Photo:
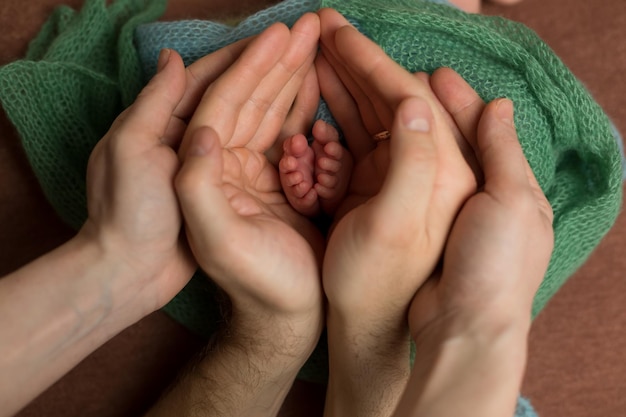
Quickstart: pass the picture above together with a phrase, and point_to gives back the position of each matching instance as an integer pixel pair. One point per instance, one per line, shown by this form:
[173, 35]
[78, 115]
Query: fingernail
[164, 58]
[504, 110]
[416, 115]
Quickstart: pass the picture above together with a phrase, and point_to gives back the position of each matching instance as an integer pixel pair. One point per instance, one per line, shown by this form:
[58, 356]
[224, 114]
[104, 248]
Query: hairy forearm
[54, 312]
[247, 373]
[471, 371]
[369, 365]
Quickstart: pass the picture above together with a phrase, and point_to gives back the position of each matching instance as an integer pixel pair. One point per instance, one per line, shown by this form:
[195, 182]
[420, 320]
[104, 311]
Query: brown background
[577, 356]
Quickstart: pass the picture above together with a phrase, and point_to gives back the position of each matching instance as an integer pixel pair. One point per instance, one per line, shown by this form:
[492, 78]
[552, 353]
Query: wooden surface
[577, 355]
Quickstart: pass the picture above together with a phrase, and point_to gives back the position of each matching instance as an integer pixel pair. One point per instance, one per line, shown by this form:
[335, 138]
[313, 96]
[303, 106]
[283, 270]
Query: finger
[375, 118]
[506, 168]
[499, 150]
[201, 74]
[222, 102]
[272, 119]
[375, 72]
[174, 133]
[461, 111]
[460, 101]
[208, 214]
[300, 118]
[149, 116]
[344, 109]
[272, 101]
[330, 22]
[411, 176]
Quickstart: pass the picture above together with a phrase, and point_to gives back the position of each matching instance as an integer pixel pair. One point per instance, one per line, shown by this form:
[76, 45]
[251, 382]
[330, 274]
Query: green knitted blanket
[84, 68]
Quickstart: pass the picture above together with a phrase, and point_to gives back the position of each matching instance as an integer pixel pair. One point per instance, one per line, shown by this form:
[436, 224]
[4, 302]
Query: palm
[366, 179]
[271, 227]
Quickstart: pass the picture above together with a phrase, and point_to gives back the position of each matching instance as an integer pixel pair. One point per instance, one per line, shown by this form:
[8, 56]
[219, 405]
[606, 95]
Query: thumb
[150, 114]
[413, 161]
[205, 208]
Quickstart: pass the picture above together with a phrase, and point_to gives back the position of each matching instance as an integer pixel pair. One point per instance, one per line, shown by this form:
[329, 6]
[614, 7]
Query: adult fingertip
[415, 115]
[505, 112]
[164, 59]
[310, 18]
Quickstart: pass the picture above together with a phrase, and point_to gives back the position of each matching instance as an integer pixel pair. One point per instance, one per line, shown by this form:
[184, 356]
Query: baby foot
[333, 166]
[296, 169]
[315, 178]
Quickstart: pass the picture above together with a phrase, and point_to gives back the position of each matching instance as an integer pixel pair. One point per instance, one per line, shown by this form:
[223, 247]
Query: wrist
[284, 338]
[127, 279]
[474, 363]
[248, 371]
[76, 312]
[487, 320]
[369, 364]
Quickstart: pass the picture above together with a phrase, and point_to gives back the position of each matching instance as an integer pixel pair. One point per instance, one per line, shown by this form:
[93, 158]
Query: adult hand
[402, 200]
[470, 323]
[395, 218]
[244, 233]
[500, 245]
[240, 226]
[133, 210]
[127, 260]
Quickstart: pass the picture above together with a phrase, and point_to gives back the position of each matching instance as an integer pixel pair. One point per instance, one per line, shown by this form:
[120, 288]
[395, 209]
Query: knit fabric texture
[85, 67]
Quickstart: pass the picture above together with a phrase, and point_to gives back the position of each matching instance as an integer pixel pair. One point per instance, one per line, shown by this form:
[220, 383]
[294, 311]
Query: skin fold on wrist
[463, 358]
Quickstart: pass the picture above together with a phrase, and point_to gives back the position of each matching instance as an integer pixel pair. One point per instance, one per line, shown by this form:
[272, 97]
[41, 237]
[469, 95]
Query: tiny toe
[333, 150]
[287, 164]
[298, 145]
[326, 180]
[301, 189]
[324, 192]
[293, 178]
[328, 164]
[310, 198]
[324, 133]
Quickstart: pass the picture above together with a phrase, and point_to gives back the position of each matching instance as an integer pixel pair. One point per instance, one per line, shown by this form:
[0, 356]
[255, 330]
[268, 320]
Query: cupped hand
[391, 228]
[404, 193]
[500, 244]
[133, 210]
[470, 320]
[134, 214]
[239, 224]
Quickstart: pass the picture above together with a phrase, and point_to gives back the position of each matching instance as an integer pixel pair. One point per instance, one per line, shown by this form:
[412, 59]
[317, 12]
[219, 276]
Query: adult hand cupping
[133, 210]
[239, 224]
[127, 260]
[470, 323]
[403, 197]
[243, 232]
[500, 245]
[387, 217]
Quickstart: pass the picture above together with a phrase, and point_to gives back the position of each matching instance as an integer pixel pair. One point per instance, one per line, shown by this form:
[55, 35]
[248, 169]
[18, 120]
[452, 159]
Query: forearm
[247, 373]
[54, 312]
[369, 365]
[466, 369]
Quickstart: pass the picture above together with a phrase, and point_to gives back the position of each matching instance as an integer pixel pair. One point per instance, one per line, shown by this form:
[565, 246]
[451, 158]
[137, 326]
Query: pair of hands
[407, 198]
